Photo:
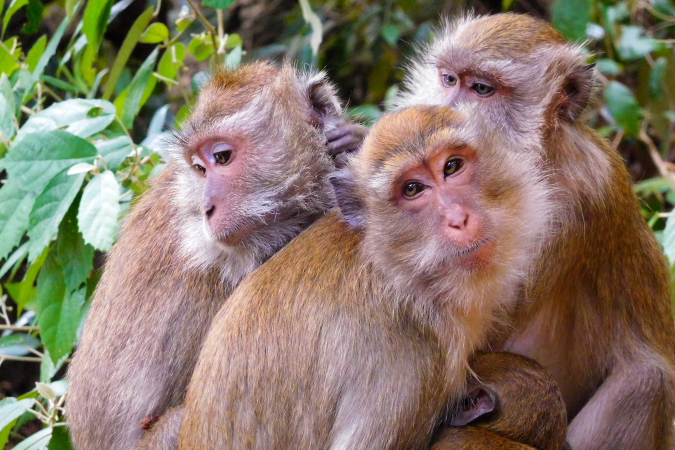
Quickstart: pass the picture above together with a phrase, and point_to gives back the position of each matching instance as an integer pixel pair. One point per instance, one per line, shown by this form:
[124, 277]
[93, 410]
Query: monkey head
[438, 194]
[255, 167]
[519, 68]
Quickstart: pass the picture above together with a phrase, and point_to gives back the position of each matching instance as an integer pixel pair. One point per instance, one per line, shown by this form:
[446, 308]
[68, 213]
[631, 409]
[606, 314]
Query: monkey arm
[471, 438]
[346, 138]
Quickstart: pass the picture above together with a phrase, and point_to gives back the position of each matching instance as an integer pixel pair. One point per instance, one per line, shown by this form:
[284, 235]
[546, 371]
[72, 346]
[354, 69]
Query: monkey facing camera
[249, 171]
[598, 313]
[357, 334]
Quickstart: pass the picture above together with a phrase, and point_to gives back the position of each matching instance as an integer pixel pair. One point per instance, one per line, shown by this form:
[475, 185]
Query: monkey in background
[357, 334]
[513, 404]
[598, 311]
[249, 172]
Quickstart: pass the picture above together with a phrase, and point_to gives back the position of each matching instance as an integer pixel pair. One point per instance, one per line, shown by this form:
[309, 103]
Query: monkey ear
[323, 101]
[346, 196]
[479, 402]
[577, 92]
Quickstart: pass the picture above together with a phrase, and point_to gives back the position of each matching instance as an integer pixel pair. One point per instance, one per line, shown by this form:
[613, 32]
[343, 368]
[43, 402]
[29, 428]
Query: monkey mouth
[471, 249]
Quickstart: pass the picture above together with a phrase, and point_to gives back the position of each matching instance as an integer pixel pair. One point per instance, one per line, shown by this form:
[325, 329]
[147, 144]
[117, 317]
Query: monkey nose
[456, 218]
[209, 208]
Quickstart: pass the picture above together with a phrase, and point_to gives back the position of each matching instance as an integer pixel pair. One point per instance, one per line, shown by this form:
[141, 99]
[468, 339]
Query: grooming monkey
[357, 334]
[250, 171]
[513, 404]
[598, 313]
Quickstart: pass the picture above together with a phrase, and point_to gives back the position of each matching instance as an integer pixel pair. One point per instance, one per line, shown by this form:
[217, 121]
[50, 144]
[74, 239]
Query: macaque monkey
[512, 404]
[249, 172]
[357, 334]
[597, 312]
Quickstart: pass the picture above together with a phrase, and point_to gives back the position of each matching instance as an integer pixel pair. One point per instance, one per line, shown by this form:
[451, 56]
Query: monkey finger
[345, 144]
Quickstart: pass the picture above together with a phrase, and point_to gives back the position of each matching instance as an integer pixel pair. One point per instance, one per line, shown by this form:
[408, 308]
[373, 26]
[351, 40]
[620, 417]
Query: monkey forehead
[409, 136]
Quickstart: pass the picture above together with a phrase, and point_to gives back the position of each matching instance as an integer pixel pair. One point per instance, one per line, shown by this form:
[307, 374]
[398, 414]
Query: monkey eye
[413, 189]
[199, 169]
[223, 157]
[452, 166]
[483, 89]
[449, 79]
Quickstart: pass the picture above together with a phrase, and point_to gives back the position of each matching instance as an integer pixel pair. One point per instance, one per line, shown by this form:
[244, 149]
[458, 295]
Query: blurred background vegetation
[89, 91]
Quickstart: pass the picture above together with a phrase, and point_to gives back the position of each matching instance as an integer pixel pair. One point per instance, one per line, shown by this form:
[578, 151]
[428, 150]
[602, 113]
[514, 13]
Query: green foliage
[75, 149]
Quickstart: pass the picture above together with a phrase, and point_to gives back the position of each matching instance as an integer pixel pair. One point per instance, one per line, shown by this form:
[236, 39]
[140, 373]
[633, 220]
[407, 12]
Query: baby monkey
[358, 333]
[512, 404]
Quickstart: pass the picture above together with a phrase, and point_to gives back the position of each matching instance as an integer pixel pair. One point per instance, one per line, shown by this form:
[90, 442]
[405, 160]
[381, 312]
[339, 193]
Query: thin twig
[656, 156]
[212, 30]
[27, 329]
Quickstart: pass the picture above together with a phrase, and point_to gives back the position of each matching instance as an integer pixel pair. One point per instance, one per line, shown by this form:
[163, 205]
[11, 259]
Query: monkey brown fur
[598, 313]
[357, 334]
[250, 171]
[512, 404]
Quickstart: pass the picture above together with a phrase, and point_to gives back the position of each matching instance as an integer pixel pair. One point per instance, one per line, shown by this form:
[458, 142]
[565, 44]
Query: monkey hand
[344, 139]
[149, 421]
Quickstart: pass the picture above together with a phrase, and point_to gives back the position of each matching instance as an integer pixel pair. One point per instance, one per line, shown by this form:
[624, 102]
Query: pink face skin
[466, 86]
[440, 191]
[219, 163]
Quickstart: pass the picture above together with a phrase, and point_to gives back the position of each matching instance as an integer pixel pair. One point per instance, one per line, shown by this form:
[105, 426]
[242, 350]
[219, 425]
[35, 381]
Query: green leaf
[37, 441]
[315, 24]
[48, 369]
[8, 62]
[11, 409]
[58, 311]
[95, 23]
[233, 40]
[624, 107]
[669, 239]
[233, 59]
[155, 33]
[34, 13]
[82, 117]
[24, 293]
[50, 50]
[201, 48]
[7, 90]
[39, 157]
[664, 7]
[99, 209]
[171, 61]
[36, 52]
[369, 113]
[60, 439]
[608, 66]
[218, 4]
[15, 207]
[137, 89]
[115, 151]
[75, 257]
[391, 33]
[6, 119]
[11, 340]
[134, 34]
[634, 45]
[658, 77]
[14, 6]
[571, 17]
[49, 209]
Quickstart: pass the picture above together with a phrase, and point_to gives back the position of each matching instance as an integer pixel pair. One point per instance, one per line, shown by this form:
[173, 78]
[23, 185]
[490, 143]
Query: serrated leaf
[45, 391]
[50, 208]
[37, 441]
[99, 209]
[623, 107]
[48, 369]
[315, 24]
[15, 208]
[571, 17]
[58, 311]
[155, 33]
[82, 117]
[115, 151]
[75, 257]
[34, 125]
[39, 157]
[218, 4]
[634, 45]
[6, 119]
[657, 78]
[11, 410]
